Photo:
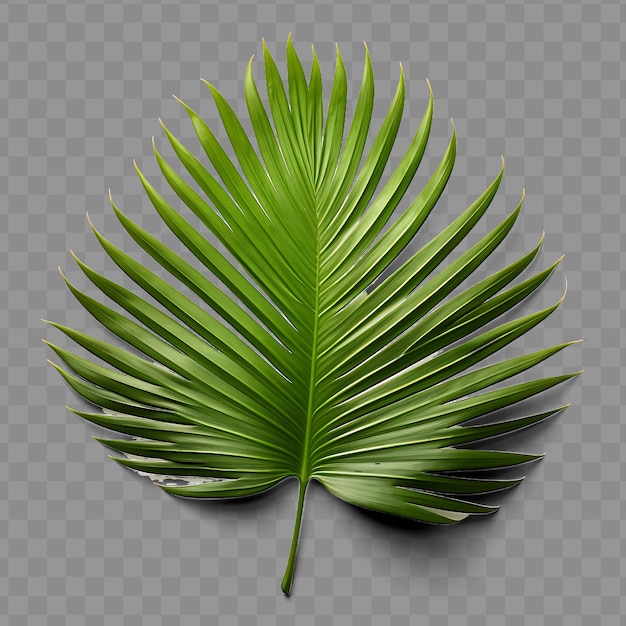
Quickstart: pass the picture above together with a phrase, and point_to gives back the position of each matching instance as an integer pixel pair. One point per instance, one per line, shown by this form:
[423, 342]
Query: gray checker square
[82, 84]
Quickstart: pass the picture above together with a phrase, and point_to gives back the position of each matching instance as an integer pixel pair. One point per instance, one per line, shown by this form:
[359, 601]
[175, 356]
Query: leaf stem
[291, 563]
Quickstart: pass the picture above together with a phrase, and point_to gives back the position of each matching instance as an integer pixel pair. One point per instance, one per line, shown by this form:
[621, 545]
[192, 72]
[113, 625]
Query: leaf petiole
[291, 563]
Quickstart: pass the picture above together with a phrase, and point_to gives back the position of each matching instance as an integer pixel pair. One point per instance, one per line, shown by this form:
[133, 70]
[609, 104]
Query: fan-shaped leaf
[307, 349]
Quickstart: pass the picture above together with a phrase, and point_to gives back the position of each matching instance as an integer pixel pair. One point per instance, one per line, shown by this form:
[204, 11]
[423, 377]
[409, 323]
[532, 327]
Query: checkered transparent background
[83, 541]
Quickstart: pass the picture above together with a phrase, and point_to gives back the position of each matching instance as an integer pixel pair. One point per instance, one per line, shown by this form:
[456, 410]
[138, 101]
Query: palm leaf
[321, 356]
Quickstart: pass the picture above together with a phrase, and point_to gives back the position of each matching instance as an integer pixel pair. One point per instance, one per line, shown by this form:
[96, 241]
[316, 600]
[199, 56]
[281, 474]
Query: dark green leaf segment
[292, 333]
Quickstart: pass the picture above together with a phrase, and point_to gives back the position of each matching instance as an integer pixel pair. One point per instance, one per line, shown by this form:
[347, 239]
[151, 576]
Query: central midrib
[305, 468]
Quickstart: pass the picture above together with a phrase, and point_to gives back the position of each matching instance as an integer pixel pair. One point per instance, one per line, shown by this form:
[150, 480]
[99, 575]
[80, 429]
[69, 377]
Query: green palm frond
[323, 356]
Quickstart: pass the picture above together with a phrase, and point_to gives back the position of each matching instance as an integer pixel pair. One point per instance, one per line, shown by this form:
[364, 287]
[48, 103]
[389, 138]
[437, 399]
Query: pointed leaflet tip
[338, 59]
[187, 108]
[90, 224]
[112, 203]
[162, 123]
[430, 87]
[541, 239]
[560, 300]
[313, 51]
[137, 169]
[177, 100]
[214, 92]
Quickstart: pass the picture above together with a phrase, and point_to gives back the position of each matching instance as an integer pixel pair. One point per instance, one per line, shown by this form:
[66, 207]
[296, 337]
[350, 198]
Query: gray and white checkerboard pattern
[83, 541]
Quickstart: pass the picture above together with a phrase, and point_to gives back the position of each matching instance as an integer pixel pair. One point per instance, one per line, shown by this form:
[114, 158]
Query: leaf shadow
[427, 551]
